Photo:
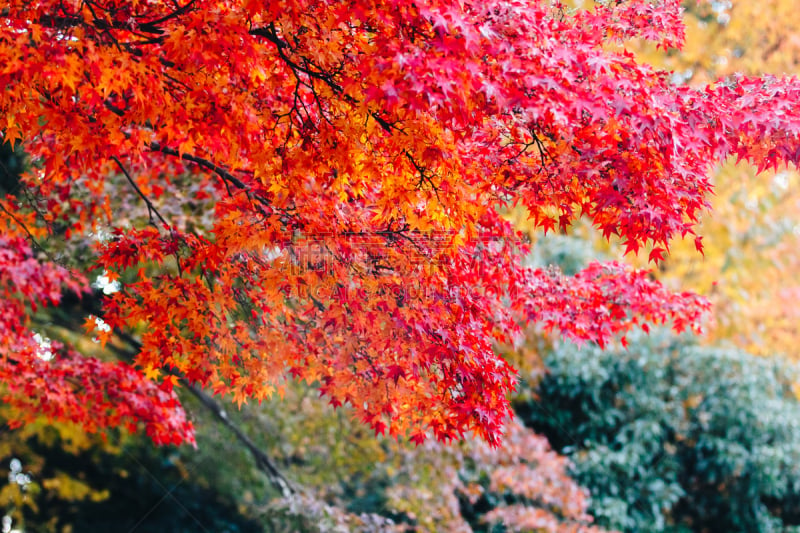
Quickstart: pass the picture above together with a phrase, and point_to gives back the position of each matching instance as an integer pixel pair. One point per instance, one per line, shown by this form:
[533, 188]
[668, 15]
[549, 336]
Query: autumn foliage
[53, 380]
[352, 162]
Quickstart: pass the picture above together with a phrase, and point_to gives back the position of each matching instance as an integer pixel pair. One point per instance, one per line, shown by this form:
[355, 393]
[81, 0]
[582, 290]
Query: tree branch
[33, 240]
[271, 34]
[263, 461]
[150, 207]
[205, 163]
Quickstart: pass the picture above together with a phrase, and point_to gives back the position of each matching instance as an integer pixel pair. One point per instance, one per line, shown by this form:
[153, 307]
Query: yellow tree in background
[725, 37]
[752, 243]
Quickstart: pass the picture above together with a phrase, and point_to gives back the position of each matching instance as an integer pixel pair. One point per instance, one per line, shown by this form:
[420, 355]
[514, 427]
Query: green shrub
[671, 436]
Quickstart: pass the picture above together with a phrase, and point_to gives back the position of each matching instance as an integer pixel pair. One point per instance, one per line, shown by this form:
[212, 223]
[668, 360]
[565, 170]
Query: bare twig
[263, 461]
[151, 209]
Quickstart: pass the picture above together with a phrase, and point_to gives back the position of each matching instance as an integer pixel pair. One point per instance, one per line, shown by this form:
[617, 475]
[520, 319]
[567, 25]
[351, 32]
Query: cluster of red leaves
[363, 153]
[48, 379]
[596, 302]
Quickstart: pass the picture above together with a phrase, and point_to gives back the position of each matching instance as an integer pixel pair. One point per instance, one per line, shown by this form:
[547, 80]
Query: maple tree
[353, 161]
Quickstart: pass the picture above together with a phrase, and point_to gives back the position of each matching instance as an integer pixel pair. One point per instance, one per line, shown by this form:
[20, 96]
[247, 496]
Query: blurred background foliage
[672, 434]
[752, 238]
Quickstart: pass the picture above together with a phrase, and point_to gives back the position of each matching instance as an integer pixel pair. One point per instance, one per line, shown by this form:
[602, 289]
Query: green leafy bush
[672, 436]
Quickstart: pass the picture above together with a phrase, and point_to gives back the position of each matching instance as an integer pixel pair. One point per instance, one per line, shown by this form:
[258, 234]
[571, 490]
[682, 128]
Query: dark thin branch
[98, 21]
[543, 153]
[423, 175]
[271, 34]
[387, 126]
[152, 25]
[205, 163]
[225, 175]
[263, 461]
[151, 209]
[33, 240]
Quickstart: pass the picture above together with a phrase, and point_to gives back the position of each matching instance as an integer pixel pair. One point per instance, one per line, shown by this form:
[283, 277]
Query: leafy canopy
[348, 166]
